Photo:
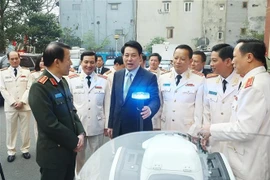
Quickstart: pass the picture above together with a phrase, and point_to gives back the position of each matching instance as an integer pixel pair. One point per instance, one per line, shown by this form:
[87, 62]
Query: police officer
[154, 62]
[220, 89]
[182, 94]
[248, 131]
[91, 96]
[15, 88]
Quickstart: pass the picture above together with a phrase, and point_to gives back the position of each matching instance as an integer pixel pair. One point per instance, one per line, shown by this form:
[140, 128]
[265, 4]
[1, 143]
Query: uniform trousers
[13, 118]
[94, 142]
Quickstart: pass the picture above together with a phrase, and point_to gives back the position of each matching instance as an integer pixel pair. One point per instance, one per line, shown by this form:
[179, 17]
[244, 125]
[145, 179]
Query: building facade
[105, 19]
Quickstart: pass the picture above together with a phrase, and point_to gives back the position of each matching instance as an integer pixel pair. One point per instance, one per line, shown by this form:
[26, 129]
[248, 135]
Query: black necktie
[15, 72]
[99, 70]
[224, 82]
[88, 81]
[240, 85]
[178, 77]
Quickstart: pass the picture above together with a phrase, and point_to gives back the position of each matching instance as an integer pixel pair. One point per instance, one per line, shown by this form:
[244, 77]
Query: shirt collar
[55, 77]
[133, 72]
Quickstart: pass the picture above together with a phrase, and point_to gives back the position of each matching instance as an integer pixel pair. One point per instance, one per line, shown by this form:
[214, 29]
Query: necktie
[224, 82]
[88, 81]
[99, 70]
[15, 72]
[240, 85]
[128, 83]
[178, 77]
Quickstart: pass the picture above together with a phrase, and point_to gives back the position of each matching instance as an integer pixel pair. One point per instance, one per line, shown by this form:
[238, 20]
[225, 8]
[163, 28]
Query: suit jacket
[217, 105]
[15, 88]
[58, 123]
[248, 131]
[93, 104]
[124, 116]
[103, 70]
[206, 71]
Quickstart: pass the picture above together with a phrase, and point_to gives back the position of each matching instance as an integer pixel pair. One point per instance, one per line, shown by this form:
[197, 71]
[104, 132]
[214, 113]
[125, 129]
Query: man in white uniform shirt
[248, 132]
[91, 97]
[220, 89]
[181, 92]
[14, 86]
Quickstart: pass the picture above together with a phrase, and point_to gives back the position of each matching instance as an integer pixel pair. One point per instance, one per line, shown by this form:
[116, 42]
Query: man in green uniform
[61, 134]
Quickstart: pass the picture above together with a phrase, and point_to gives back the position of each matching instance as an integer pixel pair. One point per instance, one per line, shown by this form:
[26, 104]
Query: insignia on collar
[249, 82]
[43, 79]
[53, 81]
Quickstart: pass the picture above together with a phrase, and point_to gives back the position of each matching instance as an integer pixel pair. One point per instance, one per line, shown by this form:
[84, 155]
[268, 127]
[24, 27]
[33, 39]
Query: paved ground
[20, 169]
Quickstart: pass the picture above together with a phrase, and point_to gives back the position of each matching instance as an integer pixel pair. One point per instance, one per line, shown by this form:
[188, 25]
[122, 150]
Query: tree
[156, 40]
[41, 30]
[89, 41]
[14, 13]
[68, 37]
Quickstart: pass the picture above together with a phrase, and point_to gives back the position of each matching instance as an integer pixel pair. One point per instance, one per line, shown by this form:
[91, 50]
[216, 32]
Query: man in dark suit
[198, 62]
[100, 69]
[60, 132]
[124, 116]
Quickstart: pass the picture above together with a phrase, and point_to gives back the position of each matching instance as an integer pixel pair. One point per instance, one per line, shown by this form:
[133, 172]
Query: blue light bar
[140, 95]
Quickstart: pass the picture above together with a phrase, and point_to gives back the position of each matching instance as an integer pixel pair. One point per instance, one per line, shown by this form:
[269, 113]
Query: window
[166, 6]
[76, 7]
[187, 6]
[169, 32]
[244, 4]
[221, 7]
[243, 31]
[114, 6]
[220, 35]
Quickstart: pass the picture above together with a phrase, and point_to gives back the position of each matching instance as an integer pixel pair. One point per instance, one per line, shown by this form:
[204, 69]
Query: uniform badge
[79, 87]
[23, 76]
[212, 92]
[58, 95]
[98, 87]
[190, 85]
[167, 84]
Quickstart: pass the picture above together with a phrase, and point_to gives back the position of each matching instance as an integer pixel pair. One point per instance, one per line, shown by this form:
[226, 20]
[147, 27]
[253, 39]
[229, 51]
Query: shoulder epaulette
[3, 69]
[198, 73]
[73, 75]
[249, 82]
[102, 76]
[153, 71]
[43, 79]
[24, 67]
[211, 75]
[165, 72]
[108, 72]
[33, 71]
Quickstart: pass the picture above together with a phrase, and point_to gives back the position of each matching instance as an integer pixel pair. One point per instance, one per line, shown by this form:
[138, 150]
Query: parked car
[165, 64]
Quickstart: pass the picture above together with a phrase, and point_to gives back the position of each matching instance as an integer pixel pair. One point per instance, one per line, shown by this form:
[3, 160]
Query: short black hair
[203, 56]
[99, 56]
[224, 51]
[37, 67]
[55, 50]
[118, 60]
[89, 53]
[157, 55]
[186, 47]
[255, 47]
[133, 44]
[12, 51]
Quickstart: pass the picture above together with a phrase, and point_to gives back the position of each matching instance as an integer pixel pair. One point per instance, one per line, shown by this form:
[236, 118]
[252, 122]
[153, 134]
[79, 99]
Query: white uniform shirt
[182, 105]
[92, 103]
[248, 131]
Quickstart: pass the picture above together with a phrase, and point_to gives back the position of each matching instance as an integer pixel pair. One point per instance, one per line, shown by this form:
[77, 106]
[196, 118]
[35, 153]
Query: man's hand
[18, 105]
[106, 132]
[80, 143]
[110, 132]
[146, 112]
[205, 134]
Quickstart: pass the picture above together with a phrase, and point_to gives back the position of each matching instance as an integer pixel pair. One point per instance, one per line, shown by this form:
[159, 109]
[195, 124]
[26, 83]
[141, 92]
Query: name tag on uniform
[58, 95]
[212, 92]
[167, 84]
[79, 87]
[8, 77]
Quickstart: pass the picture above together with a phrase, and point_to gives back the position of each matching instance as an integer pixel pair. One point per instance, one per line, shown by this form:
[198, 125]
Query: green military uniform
[58, 123]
